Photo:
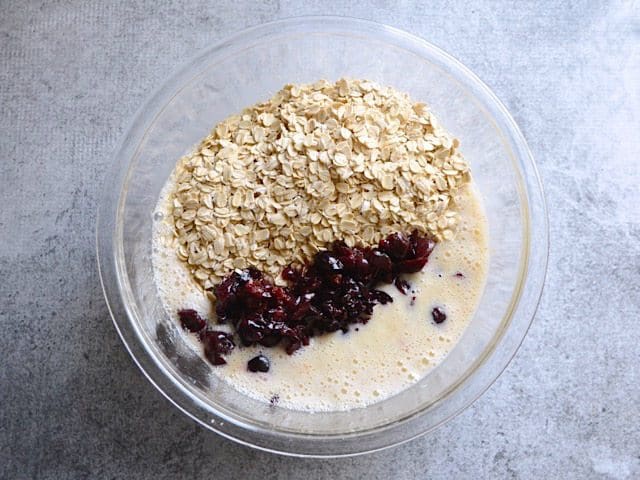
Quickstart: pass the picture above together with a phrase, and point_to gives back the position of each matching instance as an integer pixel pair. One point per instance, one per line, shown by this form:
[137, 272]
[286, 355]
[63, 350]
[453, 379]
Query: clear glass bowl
[249, 67]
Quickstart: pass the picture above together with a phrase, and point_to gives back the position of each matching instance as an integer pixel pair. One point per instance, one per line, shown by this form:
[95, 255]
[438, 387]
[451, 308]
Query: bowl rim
[524, 301]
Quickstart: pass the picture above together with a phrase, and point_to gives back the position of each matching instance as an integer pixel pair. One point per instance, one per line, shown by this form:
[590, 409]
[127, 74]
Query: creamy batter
[397, 347]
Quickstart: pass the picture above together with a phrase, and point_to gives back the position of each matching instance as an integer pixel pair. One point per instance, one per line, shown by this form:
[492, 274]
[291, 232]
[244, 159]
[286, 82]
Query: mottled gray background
[72, 403]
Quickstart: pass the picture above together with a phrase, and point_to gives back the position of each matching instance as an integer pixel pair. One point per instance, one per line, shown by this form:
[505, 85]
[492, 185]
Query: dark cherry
[380, 265]
[258, 364]
[396, 245]
[402, 285]
[421, 245]
[411, 266]
[191, 320]
[381, 297]
[326, 262]
[216, 344]
[438, 315]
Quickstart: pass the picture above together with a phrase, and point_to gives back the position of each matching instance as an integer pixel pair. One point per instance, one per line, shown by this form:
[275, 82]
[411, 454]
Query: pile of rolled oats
[349, 160]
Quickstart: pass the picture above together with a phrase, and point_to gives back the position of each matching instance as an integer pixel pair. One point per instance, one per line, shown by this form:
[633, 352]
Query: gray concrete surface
[72, 403]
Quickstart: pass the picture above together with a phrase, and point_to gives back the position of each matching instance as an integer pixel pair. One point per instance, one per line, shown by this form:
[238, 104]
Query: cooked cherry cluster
[335, 290]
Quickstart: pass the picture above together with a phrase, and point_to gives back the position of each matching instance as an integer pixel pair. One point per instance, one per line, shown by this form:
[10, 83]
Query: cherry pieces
[335, 290]
[216, 344]
[438, 315]
[191, 320]
[258, 364]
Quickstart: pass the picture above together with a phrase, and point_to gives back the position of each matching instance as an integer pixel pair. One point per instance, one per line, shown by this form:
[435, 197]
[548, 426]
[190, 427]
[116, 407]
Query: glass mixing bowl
[250, 67]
